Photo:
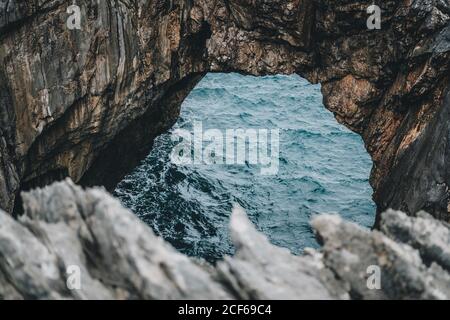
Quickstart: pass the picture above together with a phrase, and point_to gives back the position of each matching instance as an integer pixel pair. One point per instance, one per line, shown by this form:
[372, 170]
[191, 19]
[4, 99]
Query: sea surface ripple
[324, 168]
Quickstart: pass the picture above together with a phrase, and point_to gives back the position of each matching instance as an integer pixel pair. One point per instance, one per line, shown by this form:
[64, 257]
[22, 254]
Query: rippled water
[324, 168]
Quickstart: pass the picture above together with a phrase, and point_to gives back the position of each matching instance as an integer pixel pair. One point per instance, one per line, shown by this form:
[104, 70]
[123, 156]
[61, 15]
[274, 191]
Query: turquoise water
[323, 168]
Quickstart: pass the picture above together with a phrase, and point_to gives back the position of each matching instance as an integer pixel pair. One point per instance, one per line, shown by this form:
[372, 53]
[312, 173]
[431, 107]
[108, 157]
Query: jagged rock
[119, 257]
[88, 103]
[260, 270]
[349, 251]
[424, 233]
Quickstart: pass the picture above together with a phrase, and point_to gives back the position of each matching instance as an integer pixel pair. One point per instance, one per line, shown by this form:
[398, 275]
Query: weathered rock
[350, 251]
[430, 237]
[88, 104]
[260, 270]
[119, 257]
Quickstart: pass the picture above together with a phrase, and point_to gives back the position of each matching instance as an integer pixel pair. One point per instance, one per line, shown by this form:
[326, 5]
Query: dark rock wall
[87, 104]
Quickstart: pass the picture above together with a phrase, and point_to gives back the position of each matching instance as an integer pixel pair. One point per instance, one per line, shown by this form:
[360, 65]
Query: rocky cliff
[68, 232]
[88, 103]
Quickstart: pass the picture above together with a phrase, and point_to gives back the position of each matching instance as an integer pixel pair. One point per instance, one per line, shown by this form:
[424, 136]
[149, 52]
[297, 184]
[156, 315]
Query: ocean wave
[323, 167]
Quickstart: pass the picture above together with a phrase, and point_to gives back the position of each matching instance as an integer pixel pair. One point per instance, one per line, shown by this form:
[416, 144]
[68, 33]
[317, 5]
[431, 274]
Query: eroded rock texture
[88, 104]
[119, 257]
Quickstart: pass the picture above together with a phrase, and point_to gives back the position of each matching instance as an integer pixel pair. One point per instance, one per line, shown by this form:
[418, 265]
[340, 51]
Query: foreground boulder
[66, 229]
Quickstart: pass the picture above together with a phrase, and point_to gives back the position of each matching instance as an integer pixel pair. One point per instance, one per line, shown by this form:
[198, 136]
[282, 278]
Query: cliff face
[88, 103]
[67, 233]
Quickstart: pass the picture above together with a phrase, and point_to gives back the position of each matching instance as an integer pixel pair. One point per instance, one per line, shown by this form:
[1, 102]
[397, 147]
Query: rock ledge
[119, 257]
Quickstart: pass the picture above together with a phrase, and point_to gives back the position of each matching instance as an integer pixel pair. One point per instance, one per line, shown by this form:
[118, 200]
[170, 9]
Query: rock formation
[119, 257]
[88, 103]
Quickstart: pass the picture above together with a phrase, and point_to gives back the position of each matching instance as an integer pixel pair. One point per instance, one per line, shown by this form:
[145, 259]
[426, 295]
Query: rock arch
[87, 104]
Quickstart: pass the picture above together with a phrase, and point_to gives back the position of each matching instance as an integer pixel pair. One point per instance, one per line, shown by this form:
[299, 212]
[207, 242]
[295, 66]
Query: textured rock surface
[88, 104]
[120, 257]
[348, 251]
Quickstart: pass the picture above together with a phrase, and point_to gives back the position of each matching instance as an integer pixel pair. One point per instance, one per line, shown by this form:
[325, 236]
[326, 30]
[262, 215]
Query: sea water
[323, 168]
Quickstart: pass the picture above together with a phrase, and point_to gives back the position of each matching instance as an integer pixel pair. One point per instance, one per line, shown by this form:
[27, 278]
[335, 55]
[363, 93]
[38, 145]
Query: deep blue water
[323, 168]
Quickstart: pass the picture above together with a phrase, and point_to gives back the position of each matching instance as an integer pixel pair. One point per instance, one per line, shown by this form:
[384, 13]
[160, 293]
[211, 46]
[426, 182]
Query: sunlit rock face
[88, 103]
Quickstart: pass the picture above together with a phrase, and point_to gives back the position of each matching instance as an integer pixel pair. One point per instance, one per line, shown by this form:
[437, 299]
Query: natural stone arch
[76, 102]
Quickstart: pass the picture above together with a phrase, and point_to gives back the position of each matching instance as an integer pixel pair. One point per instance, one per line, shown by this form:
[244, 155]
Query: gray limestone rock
[67, 231]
